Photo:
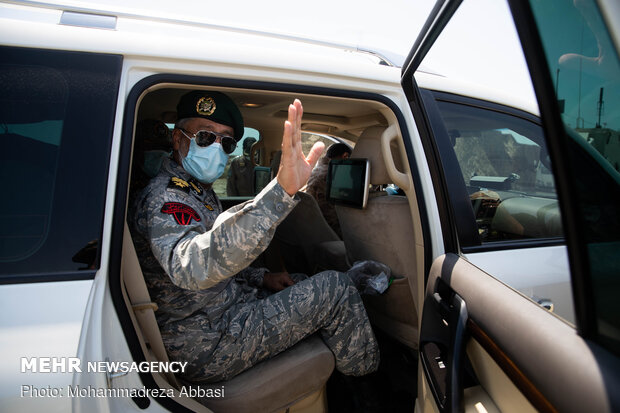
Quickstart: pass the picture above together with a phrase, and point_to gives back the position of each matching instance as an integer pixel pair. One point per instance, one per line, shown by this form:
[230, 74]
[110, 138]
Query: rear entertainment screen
[347, 182]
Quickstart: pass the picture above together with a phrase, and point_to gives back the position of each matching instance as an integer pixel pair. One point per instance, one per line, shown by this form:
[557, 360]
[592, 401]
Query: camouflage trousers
[258, 329]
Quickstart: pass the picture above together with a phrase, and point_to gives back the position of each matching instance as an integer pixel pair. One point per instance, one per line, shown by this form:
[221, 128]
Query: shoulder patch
[179, 184]
[182, 213]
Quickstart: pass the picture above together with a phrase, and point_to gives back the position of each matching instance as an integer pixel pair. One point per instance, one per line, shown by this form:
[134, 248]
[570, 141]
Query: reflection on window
[505, 166]
[25, 213]
[585, 68]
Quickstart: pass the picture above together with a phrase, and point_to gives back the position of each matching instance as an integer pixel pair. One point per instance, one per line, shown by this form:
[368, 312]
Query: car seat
[292, 381]
[384, 232]
[307, 243]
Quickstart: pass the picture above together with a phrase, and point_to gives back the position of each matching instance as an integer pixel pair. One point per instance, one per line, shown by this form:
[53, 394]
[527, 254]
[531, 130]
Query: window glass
[238, 176]
[243, 179]
[585, 69]
[309, 139]
[56, 119]
[504, 162]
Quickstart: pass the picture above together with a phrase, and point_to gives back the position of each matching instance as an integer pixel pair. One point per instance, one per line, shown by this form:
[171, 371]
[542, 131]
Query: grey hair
[182, 123]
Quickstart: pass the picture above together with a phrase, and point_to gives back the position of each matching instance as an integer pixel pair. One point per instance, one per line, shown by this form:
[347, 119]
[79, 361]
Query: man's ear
[345, 155]
[176, 139]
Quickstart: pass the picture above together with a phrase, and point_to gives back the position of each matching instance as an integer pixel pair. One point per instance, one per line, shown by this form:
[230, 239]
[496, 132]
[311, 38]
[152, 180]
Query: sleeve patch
[182, 213]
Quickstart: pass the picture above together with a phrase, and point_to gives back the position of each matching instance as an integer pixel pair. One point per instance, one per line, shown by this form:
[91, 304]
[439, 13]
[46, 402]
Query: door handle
[442, 343]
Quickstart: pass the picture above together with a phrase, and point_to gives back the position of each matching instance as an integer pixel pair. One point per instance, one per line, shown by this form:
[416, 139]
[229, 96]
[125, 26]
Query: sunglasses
[205, 138]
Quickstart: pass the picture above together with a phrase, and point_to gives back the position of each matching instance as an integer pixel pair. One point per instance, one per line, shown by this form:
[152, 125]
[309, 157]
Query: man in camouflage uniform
[215, 312]
[317, 184]
[240, 181]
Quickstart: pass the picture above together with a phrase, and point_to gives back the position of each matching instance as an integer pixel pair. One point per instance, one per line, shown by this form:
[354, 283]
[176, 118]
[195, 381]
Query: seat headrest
[369, 146]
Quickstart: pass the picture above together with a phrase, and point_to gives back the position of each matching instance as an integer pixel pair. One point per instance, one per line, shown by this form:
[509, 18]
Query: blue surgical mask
[205, 164]
[153, 161]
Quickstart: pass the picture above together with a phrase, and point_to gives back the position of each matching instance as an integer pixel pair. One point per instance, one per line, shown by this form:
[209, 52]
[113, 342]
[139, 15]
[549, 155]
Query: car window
[584, 65]
[505, 166]
[238, 176]
[494, 180]
[309, 139]
[266, 169]
[56, 119]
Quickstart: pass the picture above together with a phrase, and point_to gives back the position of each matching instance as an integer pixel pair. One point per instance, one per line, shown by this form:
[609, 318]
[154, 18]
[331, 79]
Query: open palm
[295, 167]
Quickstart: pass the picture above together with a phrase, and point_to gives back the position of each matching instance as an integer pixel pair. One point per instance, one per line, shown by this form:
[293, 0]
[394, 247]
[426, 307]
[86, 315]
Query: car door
[483, 345]
[56, 111]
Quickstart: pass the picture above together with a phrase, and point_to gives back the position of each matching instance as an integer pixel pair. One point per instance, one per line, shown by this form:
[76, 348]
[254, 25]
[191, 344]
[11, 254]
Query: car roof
[198, 45]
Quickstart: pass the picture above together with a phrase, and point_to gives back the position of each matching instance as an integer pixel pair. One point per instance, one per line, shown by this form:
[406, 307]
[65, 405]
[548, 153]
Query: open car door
[483, 345]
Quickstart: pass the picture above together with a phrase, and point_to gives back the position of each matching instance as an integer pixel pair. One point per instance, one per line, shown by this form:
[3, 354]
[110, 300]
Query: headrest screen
[348, 181]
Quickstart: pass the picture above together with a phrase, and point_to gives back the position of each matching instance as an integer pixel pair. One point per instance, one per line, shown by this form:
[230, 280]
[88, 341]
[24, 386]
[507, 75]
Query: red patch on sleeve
[182, 213]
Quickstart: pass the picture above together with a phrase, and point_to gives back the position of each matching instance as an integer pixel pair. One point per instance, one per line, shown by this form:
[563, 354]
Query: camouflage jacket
[194, 256]
[240, 181]
[317, 187]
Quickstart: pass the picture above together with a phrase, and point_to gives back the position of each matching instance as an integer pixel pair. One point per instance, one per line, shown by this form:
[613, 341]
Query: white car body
[77, 318]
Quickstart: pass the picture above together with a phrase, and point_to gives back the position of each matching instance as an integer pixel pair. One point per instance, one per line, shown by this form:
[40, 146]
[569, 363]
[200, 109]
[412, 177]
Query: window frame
[124, 173]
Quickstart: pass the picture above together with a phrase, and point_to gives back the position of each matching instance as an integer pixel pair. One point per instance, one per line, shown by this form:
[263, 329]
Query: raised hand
[295, 167]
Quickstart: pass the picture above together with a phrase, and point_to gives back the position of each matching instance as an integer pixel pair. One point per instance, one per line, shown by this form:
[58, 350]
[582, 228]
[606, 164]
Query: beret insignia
[182, 213]
[205, 106]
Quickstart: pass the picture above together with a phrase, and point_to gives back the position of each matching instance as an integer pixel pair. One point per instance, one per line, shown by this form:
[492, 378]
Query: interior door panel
[523, 357]
[494, 384]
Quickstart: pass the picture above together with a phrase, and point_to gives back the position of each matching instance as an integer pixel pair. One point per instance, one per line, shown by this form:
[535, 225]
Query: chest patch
[182, 213]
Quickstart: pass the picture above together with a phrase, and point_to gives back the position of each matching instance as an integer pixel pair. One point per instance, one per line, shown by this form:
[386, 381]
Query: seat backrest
[383, 232]
[296, 377]
[304, 237]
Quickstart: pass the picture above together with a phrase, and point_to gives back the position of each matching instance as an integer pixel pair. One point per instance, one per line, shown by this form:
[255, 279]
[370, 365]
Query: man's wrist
[285, 191]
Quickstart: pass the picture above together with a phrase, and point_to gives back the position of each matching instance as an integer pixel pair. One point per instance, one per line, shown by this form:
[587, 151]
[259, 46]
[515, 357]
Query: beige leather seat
[292, 381]
[383, 232]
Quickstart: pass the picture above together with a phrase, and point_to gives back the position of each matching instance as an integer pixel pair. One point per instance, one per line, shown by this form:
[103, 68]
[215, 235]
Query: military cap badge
[205, 106]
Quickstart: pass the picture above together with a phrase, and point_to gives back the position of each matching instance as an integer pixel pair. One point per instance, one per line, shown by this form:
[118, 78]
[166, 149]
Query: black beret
[214, 106]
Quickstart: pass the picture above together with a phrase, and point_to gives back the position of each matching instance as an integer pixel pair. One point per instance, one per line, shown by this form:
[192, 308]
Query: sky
[480, 45]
